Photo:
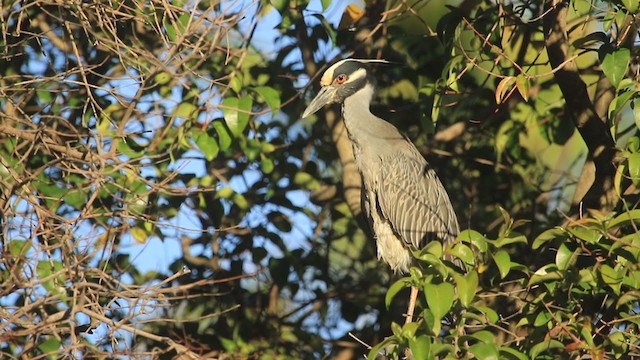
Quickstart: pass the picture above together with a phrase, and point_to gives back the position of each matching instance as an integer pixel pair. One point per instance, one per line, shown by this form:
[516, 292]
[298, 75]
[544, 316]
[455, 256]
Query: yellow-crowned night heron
[402, 197]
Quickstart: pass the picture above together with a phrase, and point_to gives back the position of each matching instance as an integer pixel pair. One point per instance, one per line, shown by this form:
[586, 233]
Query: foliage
[584, 302]
[173, 127]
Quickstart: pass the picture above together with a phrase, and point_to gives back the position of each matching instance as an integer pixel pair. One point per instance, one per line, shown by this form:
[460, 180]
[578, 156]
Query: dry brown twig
[50, 253]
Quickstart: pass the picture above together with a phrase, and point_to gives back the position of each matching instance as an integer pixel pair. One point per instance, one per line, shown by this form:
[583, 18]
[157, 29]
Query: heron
[403, 199]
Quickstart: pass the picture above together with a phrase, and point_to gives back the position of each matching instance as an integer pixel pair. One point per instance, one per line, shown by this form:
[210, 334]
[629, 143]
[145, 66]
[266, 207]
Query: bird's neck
[361, 124]
[358, 103]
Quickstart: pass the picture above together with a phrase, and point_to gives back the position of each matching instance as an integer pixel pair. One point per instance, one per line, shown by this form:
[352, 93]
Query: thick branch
[579, 107]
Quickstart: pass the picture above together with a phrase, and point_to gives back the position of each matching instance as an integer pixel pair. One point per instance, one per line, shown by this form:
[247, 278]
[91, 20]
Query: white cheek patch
[357, 75]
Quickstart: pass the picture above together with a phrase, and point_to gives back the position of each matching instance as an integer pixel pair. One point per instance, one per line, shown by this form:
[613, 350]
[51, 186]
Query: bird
[403, 199]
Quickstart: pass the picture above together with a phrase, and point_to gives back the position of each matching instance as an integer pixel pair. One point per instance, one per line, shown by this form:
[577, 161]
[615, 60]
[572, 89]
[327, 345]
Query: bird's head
[341, 80]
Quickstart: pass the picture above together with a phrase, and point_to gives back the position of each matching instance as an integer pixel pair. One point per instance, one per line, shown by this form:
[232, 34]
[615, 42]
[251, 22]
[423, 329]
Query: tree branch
[580, 109]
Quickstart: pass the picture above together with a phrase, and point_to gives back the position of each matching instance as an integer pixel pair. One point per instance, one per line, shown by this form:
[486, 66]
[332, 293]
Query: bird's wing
[413, 200]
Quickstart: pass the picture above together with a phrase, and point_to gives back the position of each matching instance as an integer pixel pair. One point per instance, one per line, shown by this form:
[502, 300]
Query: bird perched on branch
[405, 203]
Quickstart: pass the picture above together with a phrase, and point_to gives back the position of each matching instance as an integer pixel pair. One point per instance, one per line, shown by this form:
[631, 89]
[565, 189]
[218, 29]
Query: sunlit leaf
[614, 62]
[207, 144]
[503, 261]
[420, 346]
[546, 236]
[139, 235]
[186, 110]
[564, 257]
[270, 96]
[236, 113]
[587, 234]
[352, 13]
[475, 238]
[522, 84]
[484, 351]
[503, 88]
[439, 298]
[466, 287]
[50, 346]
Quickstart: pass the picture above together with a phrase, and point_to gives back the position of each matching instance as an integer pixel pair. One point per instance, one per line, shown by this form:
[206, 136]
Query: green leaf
[490, 314]
[76, 198]
[484, 351]
[394, 290]
[439, 298]
[545, 273]
[49, 346]
[396, 329]
[139, 234]
[624, 218]
[175, 29]
[266, 164]
[619, 104]
[280, 5]
[634, 167]
[306, 180]
[563, 257]
[627, 297]
[508, 353]
[228, 344]
[589, 235]
[18, 248]
[503, 261]
[409, 329]
[236, 113]
[475, 238]
[542, 318]
[512, 238]
[186, 111]
[270, 96]
[611, 277]
[631, 5]
[484, 336]
[546, 345]
[619, 343]
[614, 62]
[206, 144]
[130, 148]
[225, 193]
[240, 201]
[420, 346]
[162, 78]
[377, 350]
[463, 252]
[522, 84]
[225, 137]
[466, 286]
[434, 248]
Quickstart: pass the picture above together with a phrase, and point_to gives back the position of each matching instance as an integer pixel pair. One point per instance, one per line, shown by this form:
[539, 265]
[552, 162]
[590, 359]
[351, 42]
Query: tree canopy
[131, 127]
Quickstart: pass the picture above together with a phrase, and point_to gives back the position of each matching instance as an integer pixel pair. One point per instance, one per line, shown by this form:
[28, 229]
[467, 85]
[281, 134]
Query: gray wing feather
[413, 200]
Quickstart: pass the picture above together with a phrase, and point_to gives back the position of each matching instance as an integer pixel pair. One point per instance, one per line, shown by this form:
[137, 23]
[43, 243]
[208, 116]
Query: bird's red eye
[341, 79]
